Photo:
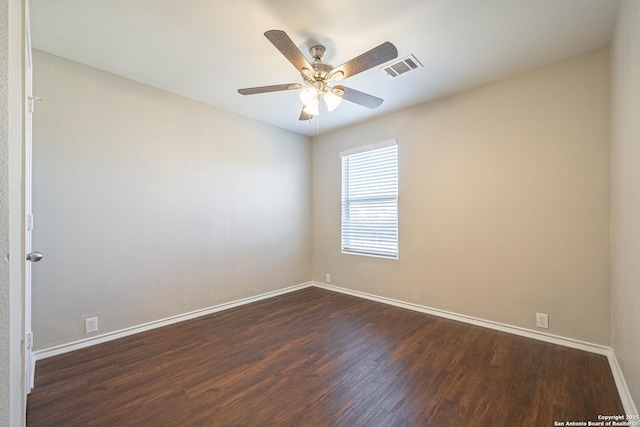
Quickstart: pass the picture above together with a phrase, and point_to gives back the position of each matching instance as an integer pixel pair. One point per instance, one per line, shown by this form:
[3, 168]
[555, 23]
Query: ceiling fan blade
[287, 47]
[265, 89]
[359, 98]
[376, 56]
[305, 116]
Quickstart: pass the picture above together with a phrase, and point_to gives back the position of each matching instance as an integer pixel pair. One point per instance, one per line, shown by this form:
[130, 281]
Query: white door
[29, 362]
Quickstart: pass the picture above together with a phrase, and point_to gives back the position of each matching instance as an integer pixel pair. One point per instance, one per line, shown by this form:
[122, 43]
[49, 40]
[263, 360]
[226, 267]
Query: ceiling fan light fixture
[332, 100]
[309, 95]
[312, 108]
[317, 75]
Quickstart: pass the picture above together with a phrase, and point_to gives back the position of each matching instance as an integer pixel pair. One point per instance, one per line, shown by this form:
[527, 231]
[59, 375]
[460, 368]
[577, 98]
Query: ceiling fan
[319, 75]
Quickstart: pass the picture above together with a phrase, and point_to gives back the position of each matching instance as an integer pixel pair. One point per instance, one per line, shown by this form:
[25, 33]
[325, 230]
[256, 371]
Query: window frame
[388, 233]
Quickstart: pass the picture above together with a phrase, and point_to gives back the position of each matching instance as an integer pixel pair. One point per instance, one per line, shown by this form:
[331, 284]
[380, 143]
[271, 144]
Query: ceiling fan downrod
[321, 69]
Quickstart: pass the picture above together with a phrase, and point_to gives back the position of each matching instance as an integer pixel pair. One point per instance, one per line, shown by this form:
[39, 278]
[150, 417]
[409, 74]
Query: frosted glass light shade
[332, 100]
[312, 108]
[309, 95]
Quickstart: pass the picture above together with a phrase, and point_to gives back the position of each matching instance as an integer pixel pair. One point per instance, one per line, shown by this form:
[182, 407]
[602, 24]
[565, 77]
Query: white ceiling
[207, 49]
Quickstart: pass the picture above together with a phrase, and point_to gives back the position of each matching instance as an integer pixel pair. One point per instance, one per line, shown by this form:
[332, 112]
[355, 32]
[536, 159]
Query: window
[370, 200]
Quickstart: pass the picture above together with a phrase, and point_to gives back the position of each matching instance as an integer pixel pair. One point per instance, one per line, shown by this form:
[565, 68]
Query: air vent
[401, 66]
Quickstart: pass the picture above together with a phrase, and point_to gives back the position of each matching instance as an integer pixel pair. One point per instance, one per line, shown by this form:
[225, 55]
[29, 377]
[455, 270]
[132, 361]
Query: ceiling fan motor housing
[320, 70]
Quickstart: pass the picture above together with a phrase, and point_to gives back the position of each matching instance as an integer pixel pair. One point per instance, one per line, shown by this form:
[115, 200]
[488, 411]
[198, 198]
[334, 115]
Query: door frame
[16, 400]
[27, 228]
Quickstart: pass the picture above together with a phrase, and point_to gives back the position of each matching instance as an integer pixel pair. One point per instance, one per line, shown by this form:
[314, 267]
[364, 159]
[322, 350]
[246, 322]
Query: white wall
[503, 203]
[625, 198]
[150, 205]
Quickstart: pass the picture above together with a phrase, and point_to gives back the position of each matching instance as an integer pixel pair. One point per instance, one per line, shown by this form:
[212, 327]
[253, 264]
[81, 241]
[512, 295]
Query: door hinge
[30, 222]
[31, 107]
[29, 340]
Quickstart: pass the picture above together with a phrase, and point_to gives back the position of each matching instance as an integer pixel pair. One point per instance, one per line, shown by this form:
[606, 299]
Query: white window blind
[370, 200]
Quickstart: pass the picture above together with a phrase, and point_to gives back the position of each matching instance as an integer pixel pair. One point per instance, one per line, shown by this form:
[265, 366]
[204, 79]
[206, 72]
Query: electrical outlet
[327, 278]
[90, 325]
[542, 320]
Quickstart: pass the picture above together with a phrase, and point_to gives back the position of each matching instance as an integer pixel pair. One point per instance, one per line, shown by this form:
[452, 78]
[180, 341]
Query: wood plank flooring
[319, 358]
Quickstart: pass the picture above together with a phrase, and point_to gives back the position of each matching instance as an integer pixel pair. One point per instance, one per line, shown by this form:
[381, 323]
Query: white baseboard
[110, 336]
[32, 373]
[621, 385]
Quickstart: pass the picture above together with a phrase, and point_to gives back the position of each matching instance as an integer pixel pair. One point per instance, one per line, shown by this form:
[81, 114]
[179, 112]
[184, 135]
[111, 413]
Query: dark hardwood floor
[319, 358]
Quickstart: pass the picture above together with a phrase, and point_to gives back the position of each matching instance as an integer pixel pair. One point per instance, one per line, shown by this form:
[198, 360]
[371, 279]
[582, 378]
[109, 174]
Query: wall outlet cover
[90, 325]
[542, 320]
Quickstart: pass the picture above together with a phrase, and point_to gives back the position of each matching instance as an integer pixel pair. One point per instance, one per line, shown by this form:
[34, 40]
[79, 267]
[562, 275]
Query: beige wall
[504, 202]
[150, 205]
[625, 198]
